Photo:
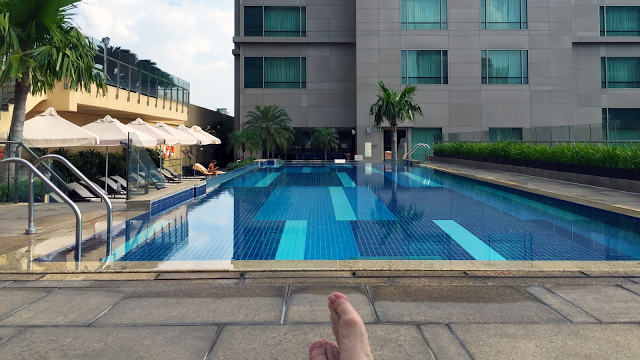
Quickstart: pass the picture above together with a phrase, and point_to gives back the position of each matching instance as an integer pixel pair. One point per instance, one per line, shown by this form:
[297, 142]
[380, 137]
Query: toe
[341, 305]
[317, 351]
[331, 349]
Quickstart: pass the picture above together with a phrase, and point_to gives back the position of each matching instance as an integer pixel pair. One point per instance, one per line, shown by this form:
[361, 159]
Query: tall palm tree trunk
[394, 139]
[17, 125]
[325, 155]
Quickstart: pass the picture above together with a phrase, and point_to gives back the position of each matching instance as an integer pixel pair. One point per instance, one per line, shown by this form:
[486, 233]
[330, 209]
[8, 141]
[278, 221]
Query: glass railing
[143, 176]
[125, 71]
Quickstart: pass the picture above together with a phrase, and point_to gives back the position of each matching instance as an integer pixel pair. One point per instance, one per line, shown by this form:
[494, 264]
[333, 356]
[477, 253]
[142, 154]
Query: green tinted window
[280, 21]
[253, 72]
[503, 14]
[505, 67]
[620, 72]
[424, 67]
[620, 21]
[423, 14]
[253, 21]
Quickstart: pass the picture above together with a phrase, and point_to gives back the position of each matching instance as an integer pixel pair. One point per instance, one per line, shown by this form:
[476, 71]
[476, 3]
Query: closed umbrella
[164, 138]
[112, 133]
[50, 130]
[198, 131]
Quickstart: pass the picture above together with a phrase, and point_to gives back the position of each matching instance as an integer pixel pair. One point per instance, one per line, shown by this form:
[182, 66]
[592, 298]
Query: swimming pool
[369, 211]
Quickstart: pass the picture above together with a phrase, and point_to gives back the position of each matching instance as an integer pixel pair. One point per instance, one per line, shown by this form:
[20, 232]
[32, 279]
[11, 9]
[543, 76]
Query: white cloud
[190, 39]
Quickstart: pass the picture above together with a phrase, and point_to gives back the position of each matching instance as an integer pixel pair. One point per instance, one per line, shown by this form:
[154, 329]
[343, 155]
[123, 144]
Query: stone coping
[616, 208]
[143, 202]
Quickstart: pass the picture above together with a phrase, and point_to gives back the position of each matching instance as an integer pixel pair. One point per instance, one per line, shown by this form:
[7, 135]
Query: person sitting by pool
[348, 328]
[213, 169]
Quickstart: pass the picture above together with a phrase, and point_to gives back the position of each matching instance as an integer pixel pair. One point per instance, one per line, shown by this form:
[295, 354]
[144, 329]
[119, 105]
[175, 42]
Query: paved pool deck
[276, 315]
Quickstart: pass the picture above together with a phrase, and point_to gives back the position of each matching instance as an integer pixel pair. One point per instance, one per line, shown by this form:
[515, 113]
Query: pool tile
[341, 206]
[293, 240]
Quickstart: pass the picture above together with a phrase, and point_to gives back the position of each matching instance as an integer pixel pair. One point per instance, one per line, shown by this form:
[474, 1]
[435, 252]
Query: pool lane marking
[341, 205]
[469, 242]
[306, 170]
[346, 180]
[267, 180]
[293, 241]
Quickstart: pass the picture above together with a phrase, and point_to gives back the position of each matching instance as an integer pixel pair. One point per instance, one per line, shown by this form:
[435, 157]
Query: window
[620, 72]
[425, 67]
[286, 21]
[275, 73]
[423, 14]
[503, 14]
[619, 20]
[505, 67]
[621, 124]
[505, 134]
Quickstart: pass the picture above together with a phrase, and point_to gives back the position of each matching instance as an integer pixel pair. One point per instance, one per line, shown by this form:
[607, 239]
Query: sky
[190, 39]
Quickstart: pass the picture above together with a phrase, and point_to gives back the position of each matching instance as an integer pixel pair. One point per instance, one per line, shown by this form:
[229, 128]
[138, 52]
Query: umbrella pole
[106, 171]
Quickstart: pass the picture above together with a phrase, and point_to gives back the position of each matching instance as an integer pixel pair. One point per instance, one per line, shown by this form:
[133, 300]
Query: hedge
[624, 156]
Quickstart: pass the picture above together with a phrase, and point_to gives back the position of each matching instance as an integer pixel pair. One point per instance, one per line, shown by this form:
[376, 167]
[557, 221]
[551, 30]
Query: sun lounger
[120, 181]
[170, 170]
[112, 186]
[201, 169]
[167, 175]
[79, 192]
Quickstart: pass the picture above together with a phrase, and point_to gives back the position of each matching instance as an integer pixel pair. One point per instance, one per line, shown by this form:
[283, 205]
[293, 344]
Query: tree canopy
[326, 139]
[273, 126]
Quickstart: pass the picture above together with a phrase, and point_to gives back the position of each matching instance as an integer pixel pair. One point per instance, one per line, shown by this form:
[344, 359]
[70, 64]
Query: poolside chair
[175, 174]
[79, 192]
[167, 175]
[113, 188]
[86, 186]
[203, 170]
[120, 181]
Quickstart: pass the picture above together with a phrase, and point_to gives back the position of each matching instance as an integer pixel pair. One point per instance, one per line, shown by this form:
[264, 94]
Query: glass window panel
[603, 72]
[253, 21]
[503, 14]
[623, 72]
[282, 73]
[144, 83]
[124, 76]
[602, 21]
[445, 67]
[424, 67]
[443, 4]
[303, 72]
[303, 21]
[135, 79]
[403, 60]
[621, 20]
[423, 14]
[483, 64]
[624, 124]
[505, 134]
[153, 82]
[112, 72]
[525, 66]
[503, 67]
[253, 73]
[282, 21]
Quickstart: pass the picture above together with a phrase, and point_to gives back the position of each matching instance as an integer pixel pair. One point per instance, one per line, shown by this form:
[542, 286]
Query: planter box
[520, 162]
[587, 169]
[619, 173]
[636, 174]
[440, 154]
[534, 164]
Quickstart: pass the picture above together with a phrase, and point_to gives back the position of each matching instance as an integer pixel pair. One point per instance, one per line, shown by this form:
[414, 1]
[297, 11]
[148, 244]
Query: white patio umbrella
[164, 138]
[202, 140]
[183, 138]
[198, 131]
[112, 132]
[50, 130]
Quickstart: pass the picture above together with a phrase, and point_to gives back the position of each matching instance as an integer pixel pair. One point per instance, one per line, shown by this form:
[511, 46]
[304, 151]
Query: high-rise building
[495, 66]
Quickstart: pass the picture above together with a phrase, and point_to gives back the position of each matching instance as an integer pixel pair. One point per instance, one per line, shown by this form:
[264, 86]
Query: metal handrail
[415, 148]
[31, 228]
[87, 182]
[36, 157]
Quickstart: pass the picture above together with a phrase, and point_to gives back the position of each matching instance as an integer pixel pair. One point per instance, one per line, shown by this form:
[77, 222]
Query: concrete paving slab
[312, 281]
[66, 307]
[606, 303]
[528, 281]
[20, 276]
[443, 342]
[6, 333]
[164, 342]
[12, 300]
[185, 282]
[565, 308]
[4, 283]
[395, 342]
[101, 276]
[546, 341]
[635, 280]
[298, 274]
[200, 275]
[308, 304]
[51, 284]
[198, 305]
[459, 304]
[379, 273]
[432, 280]
[525, 273]
[635, 288]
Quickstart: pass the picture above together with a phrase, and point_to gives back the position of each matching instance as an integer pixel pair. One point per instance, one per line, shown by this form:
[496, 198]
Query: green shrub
[237, 165]
[605, 155]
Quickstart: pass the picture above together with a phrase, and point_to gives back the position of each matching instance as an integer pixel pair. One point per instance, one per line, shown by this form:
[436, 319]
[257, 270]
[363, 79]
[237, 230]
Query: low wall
[600, 181]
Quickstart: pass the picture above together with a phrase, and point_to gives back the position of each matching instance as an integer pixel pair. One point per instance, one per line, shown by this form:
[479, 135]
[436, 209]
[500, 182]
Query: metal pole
[106, 171]
[31, 229]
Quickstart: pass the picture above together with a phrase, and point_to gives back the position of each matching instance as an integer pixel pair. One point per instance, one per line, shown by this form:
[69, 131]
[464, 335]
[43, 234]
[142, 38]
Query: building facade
[491, 66]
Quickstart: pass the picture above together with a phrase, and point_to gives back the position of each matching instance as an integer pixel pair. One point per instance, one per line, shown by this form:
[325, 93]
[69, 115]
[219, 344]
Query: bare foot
[349, 330]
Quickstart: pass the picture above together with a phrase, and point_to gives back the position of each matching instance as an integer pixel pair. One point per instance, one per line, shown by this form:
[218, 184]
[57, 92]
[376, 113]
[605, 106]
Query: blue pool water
[372, 211]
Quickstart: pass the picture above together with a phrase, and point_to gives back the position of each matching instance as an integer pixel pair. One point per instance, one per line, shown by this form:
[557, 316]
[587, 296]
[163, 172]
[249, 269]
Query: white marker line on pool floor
[293, 241]
[341, 205]
[267, 180]
[306, 170]
[469, 242]
[346, 180]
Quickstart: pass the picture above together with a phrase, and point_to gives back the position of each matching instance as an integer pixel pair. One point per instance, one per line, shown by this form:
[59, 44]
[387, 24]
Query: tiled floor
[228, 316]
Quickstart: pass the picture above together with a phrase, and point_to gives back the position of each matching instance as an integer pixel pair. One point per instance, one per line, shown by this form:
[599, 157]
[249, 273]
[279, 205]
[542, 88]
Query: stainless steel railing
[415, 148]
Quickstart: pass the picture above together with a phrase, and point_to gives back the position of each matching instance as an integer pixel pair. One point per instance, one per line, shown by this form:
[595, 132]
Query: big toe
[317, 351]
[341, 305]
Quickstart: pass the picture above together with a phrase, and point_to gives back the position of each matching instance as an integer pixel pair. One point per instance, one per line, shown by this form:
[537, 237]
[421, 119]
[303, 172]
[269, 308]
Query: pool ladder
[427, 152]
[34, 171]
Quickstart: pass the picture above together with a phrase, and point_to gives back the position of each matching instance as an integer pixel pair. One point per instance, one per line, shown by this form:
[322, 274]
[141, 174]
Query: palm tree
[273, 126]
[326, 139]
[393, 106]
[40, 47]
[245, 139]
